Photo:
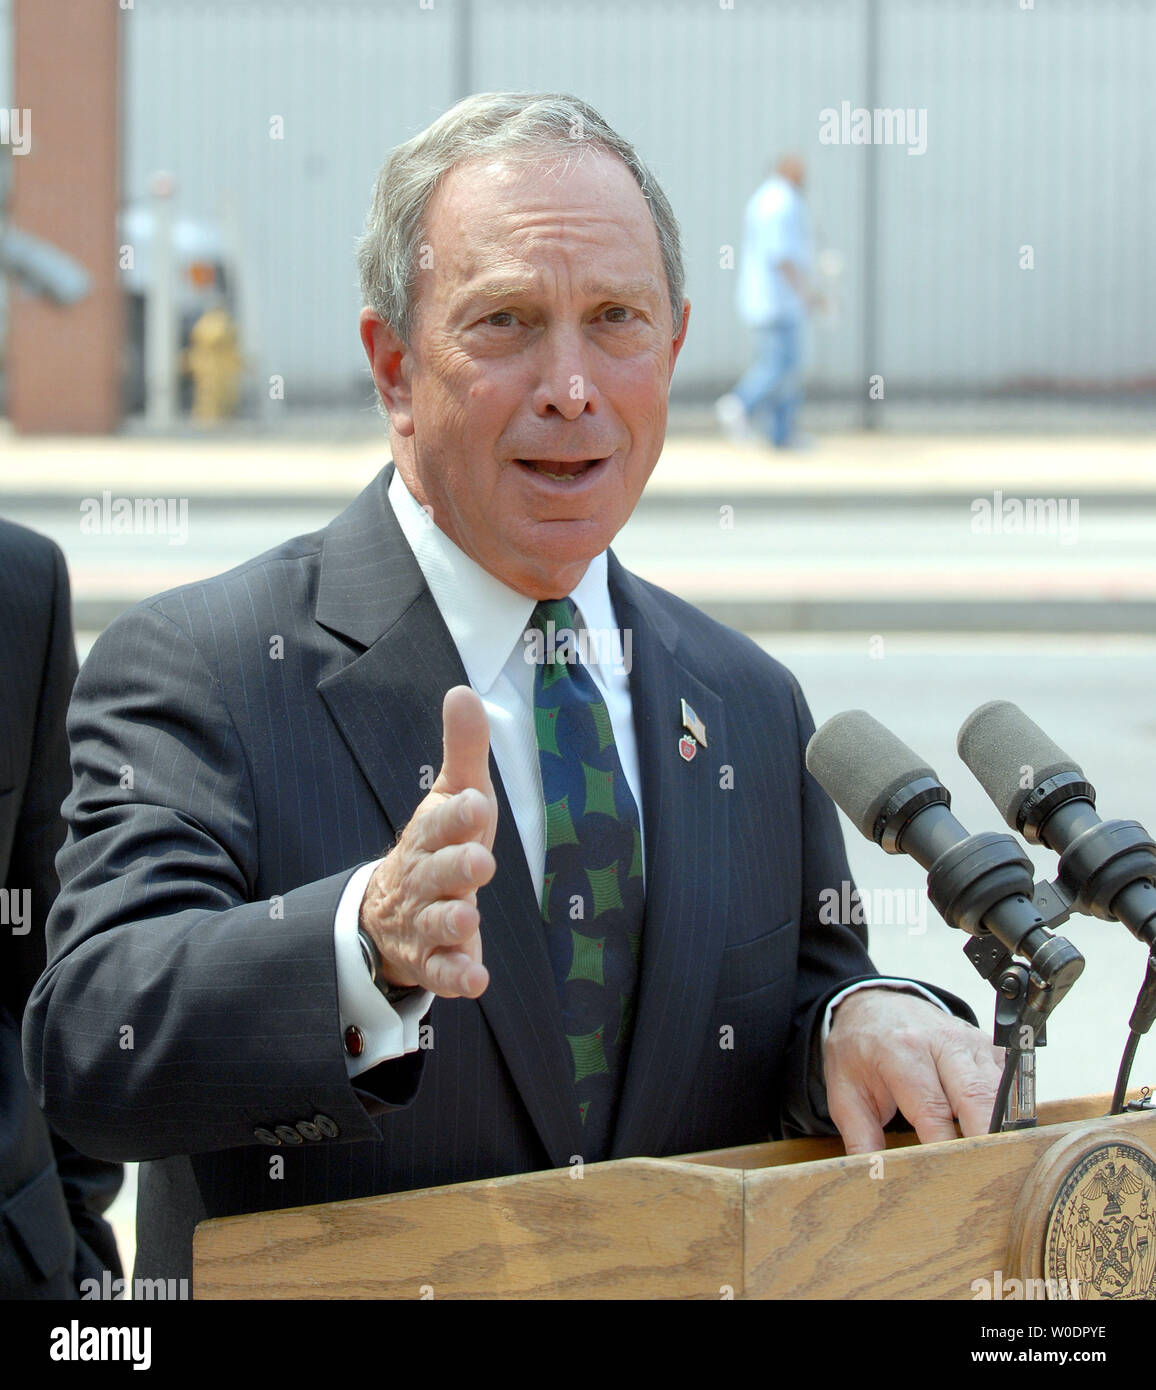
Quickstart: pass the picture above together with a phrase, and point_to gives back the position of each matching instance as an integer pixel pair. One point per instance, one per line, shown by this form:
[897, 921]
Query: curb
[654, 499]
[867, 615]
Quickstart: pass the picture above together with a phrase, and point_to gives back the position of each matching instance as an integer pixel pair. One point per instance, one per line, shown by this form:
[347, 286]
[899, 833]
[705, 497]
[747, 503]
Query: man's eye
[618, 313]
[501, 318]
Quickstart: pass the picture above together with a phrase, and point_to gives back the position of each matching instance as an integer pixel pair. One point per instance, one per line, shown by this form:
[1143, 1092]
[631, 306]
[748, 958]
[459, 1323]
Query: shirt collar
[485, 617]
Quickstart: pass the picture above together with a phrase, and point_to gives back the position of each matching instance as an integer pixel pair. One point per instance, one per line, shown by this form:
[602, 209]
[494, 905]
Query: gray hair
[509, 125]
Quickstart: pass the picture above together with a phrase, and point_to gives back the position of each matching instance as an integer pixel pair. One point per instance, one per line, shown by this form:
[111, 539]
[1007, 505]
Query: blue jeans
[772, 389]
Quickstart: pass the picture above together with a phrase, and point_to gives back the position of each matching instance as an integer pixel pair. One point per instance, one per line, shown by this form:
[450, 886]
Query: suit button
[327, 1126]
[266, 1136]
[307, 1130]
[288, 1135]
[354, 1040]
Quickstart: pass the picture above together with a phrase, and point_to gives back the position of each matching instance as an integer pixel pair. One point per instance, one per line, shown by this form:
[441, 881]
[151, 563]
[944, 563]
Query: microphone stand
[984, 884]
[1025, 996]
[1107, 870]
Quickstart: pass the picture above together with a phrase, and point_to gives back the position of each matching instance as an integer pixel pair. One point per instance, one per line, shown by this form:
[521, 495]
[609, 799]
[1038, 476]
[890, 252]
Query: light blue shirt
[777, 228]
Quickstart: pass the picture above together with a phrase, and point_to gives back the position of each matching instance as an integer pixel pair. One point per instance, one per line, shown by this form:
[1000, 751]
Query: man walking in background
[774, 297]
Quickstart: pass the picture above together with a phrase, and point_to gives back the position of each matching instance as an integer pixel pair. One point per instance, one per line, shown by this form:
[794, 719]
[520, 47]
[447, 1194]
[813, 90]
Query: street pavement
[883, 532]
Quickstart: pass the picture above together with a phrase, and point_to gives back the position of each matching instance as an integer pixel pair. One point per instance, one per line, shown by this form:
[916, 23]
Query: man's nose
[564, 382]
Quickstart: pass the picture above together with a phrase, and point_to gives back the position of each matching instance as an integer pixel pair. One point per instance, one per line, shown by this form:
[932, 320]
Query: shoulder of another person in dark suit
[39, 672]
[40, 655]
[34, 591]
[56, 1196]
[20, 544]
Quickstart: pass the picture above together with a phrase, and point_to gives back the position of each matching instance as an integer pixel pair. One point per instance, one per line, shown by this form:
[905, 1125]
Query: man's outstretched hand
[891, 1051]
[421, 904]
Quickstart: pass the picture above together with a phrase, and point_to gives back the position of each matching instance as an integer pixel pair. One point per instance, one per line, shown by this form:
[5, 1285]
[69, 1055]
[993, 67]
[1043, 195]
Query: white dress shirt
[488, 623]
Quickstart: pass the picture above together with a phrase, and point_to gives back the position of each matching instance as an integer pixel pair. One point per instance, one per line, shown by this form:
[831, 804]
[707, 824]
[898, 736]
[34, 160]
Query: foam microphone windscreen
[1005, 749]
[861, 765]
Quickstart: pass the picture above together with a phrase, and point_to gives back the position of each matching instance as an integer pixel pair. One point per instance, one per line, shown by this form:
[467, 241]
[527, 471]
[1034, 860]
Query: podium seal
[1084, 1226]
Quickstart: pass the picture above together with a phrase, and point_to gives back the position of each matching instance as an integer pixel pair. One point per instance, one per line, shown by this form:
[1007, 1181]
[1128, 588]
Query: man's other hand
[891, 1051]
[421, 905]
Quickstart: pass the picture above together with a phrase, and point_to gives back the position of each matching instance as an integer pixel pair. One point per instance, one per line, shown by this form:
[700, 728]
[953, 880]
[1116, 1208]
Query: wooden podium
[1070, 1205]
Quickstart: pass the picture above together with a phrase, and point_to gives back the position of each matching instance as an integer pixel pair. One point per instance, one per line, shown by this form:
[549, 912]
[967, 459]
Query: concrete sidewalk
[863, 532]
[850, 466]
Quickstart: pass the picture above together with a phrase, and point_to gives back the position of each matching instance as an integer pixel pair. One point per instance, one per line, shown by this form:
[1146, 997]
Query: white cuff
[388, 1031]
[909, 986]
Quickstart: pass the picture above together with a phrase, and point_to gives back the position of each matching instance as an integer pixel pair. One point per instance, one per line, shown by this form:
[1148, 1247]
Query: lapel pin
[693, 725]
[687, 747]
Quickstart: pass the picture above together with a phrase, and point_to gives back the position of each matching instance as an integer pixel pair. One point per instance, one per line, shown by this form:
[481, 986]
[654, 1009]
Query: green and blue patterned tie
[592, 894]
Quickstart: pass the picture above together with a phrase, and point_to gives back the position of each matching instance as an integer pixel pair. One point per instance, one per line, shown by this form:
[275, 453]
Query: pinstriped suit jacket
[223, 795]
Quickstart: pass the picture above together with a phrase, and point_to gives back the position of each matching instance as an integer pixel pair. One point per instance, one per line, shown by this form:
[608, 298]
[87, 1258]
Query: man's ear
[679, 337]
[389, 361]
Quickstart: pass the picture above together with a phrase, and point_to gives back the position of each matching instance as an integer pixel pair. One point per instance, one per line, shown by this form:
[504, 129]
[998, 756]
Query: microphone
[1108, 867]
[981, 883]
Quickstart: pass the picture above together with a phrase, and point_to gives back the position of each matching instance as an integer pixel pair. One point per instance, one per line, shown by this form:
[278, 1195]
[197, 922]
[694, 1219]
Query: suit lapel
[685, 823]
[387, 703]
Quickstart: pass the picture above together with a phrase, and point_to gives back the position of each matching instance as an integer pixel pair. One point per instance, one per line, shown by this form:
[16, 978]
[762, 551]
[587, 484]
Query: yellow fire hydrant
[214, 362]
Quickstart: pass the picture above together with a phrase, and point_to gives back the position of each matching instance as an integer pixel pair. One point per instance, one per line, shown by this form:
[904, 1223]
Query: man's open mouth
[561, 470]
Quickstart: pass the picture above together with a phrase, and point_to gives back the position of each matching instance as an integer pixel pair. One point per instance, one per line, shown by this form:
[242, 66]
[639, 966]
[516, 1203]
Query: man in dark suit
[52, 1232]
[273, 1015]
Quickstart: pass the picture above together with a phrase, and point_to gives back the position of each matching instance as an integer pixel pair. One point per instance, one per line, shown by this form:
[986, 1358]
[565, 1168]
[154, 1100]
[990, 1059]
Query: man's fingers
[857, 1120]
[957, 1075]
[454, 974]
[449, 923]
[971, 1077]
[454, 872]
[460, 820]
[465, 743]
[859, 1114]
[926, 1109]
[888, 1051]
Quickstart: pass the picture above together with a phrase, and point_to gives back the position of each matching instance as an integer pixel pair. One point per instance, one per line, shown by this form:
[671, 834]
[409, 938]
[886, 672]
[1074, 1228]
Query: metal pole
[463, 49]
[1021, 1103]
[870, 326]
[161, 312]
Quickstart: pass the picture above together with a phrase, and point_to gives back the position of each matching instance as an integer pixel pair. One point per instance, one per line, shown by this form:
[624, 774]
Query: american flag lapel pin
[694, 732]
